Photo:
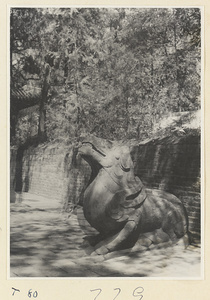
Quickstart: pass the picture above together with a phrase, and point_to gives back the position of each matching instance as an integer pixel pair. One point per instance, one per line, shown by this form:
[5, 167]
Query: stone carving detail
[118, 205]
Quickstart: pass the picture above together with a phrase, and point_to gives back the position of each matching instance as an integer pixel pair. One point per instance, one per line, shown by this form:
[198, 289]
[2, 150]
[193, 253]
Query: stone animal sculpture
[118, 205]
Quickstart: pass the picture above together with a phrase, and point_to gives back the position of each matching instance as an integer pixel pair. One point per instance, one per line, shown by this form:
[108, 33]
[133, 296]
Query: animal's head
[112, 157]
[106, 153]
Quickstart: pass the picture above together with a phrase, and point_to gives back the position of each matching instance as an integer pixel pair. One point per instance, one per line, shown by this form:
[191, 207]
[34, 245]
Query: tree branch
[28, 78]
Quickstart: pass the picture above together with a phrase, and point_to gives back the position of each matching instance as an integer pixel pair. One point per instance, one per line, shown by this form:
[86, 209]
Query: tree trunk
[42, 111]
[177, 73]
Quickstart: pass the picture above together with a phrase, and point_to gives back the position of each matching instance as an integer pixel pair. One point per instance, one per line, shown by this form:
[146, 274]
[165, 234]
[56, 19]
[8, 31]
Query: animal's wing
[124, 204]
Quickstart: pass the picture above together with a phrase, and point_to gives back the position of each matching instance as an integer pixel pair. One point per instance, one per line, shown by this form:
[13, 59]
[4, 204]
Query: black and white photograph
[106, 132]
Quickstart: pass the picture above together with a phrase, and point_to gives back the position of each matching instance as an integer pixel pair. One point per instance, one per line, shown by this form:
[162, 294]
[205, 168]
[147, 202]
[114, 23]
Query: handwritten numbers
[100, 290]
[35, 294]
[119, 290]
[138, 291]
[15, 290]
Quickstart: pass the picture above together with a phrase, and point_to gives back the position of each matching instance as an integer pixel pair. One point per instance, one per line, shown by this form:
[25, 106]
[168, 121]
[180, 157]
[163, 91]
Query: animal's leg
[109, 246]
[175, 226]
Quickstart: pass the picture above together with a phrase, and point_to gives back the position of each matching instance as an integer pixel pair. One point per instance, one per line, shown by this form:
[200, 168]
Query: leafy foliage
[113, 72]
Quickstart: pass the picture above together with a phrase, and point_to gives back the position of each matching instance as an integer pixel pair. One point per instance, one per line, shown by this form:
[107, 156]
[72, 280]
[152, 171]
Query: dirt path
[46, 243]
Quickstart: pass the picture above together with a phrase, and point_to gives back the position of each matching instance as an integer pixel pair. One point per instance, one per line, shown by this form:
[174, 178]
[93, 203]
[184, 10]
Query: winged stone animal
[117, 204]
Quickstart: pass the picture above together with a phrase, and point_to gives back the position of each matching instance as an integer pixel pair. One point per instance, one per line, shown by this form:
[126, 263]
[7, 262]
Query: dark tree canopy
[114, 72]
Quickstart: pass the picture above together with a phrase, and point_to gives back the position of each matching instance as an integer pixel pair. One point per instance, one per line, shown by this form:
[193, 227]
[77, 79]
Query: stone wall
[51, 171]
[173, 164]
